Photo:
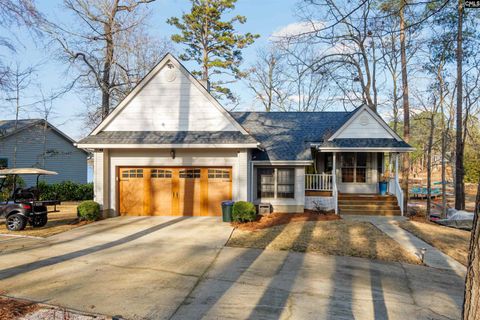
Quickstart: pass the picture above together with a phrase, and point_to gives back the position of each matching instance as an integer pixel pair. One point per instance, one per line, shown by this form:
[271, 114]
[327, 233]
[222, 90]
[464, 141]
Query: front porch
[348, 182]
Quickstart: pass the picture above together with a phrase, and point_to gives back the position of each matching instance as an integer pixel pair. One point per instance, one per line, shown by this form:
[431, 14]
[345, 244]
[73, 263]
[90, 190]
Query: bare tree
[102, 45]
[15, 13]
[348, 43]
[459, 146]
[267, 79]
[20, 79]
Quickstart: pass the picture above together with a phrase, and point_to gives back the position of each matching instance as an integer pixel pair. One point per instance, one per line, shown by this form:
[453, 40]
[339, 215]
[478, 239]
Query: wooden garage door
[190, 191]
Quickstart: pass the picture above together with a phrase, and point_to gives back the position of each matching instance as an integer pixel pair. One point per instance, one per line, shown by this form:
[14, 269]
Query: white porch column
[396, 170]
[334, 182]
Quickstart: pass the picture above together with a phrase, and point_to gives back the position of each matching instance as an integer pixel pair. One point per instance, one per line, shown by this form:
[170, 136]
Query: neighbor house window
[275, 183]
[3, 163]
[354, 167]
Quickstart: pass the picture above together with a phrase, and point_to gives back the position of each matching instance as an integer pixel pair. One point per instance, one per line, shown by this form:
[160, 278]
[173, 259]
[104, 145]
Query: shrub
[244, 211]
[88, 210]
[65, 191]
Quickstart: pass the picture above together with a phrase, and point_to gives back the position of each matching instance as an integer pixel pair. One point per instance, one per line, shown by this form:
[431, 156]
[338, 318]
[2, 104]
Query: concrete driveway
[167, 267]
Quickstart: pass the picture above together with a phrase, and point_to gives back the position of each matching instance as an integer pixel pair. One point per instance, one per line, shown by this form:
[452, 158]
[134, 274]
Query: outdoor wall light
[423, 252]
[172, 153]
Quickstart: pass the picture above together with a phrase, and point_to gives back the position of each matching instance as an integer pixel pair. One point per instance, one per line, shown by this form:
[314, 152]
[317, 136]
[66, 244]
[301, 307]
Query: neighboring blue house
[41, 145]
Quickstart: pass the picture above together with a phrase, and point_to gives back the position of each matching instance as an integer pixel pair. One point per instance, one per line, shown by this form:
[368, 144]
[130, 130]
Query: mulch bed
[275, 219]
[14, 309]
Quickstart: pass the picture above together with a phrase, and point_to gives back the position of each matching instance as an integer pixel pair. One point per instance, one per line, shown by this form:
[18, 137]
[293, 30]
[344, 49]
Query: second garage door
[190, 191]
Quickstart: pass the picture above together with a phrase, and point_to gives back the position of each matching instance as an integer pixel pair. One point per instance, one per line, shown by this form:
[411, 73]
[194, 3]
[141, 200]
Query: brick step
[369, 207]
[370, 212]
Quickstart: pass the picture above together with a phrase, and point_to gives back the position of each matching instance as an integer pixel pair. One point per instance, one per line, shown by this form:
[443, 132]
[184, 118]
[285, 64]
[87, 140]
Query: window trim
[354, 167]
[275, 183]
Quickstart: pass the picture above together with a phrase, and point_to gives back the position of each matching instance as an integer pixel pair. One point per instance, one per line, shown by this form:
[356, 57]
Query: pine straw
[13, 309]
[275, 219]
[63, 220]
[452, 242]
[340, 238]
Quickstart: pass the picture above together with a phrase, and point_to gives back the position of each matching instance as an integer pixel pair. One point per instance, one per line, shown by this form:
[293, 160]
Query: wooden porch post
[334, 182]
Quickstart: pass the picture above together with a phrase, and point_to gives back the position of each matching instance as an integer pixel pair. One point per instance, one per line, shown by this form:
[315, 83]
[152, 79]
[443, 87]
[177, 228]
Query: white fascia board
[283, 162]
[165, 146]
[330, 149]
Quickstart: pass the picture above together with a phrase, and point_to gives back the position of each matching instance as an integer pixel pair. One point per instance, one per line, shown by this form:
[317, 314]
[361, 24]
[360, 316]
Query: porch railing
[318, 182]
[395, 189]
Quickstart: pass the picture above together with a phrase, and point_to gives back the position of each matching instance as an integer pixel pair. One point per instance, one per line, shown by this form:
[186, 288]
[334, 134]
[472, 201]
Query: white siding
[236, 159]
[364, 126]
[176, 105]
[62, 156]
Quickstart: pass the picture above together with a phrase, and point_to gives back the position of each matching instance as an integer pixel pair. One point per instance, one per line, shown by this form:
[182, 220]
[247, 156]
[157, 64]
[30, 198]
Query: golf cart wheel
[39, 221]
[16, 222]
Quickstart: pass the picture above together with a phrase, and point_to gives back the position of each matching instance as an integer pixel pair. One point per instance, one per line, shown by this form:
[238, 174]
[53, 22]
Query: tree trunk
[471, 306]
[459, 185]
[406, 107]
[429, 166]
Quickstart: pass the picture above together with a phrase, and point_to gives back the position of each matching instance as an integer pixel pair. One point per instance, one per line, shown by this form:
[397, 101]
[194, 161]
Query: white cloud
[295, 29]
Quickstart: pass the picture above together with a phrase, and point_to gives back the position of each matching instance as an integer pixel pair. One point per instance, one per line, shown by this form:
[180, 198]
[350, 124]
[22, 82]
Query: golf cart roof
[26, 171]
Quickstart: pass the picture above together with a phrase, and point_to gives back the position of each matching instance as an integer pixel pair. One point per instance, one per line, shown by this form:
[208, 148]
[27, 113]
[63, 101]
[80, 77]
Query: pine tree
[213, 42]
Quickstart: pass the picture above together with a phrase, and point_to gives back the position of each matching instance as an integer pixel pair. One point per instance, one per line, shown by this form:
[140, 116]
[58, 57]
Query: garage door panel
[161, 182]
[132, 191]
[189, 192]
[219, 189]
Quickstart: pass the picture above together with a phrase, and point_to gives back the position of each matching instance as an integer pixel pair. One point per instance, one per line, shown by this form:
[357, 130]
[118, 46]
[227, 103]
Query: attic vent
[171, 73]
[364, 120]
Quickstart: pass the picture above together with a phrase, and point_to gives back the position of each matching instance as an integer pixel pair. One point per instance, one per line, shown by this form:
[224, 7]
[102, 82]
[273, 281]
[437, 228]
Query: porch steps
[364, 204]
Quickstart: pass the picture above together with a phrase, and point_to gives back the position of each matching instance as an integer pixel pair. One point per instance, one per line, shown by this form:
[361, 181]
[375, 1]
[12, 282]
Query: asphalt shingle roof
[7, 127]
[288, 135]
[365, 143]
[168, 137]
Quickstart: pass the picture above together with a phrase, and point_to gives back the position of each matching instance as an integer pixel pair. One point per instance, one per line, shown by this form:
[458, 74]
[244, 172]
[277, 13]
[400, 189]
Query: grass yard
[63, 220]
[337, 237]
[453, 242]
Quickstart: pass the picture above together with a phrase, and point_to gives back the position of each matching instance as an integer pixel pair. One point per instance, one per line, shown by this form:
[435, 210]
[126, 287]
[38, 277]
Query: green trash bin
[227, 209]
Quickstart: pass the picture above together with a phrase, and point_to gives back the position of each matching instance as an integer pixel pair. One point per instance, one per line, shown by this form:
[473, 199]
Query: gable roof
[356, 113]
[288, 136]
[177, 139]
[7, 127]
[168, 58]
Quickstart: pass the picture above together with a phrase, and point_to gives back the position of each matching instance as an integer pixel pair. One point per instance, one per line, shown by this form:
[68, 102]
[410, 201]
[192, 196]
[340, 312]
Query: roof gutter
[166, 146]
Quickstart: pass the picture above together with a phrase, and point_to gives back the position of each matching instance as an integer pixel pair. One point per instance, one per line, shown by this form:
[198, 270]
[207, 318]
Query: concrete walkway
[433, 257]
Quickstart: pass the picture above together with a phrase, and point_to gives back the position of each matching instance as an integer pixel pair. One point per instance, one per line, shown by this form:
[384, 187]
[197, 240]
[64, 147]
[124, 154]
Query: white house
[169, 148]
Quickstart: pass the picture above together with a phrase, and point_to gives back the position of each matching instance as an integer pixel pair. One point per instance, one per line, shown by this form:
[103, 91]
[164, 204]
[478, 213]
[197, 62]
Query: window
[3, 163]
[132, 173]
[265, 182]
[190, 173]
[275, 183]
[285, 183]
[354, 167]
[161, 173]
[218, 174]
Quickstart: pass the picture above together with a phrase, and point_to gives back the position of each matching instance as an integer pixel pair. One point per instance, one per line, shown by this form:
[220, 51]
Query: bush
[88, 210]
[65, 191]
[244, 211]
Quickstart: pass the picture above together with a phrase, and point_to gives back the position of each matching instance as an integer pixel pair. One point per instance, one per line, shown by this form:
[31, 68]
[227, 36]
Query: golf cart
[23, 205]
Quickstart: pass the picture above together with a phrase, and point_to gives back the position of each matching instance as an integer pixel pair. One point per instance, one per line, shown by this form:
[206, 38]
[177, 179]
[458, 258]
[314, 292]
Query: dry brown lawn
[63, 220]
[340, 238]
[453, 242]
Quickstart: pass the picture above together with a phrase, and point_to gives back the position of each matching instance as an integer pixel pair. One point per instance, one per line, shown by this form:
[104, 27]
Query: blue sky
[264, 17]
